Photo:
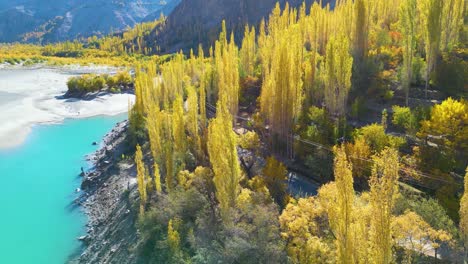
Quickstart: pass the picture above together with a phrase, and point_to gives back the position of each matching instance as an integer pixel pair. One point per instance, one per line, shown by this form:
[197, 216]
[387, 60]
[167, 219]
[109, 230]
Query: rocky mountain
[199, 21]
[57, 20]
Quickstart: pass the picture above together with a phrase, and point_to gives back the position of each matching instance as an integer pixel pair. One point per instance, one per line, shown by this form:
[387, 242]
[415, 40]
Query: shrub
[122, 79]
[404, 118]
[86, 83]
[374, 136]
[249, 140]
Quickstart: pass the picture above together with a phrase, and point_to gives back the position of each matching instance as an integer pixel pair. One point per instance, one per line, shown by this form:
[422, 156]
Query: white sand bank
[29, 97]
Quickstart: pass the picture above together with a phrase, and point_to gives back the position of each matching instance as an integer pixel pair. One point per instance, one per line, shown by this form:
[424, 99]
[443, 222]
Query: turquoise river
[38, 222]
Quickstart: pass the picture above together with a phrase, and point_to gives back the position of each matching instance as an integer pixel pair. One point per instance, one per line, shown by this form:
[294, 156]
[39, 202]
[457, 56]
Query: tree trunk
[427, 82]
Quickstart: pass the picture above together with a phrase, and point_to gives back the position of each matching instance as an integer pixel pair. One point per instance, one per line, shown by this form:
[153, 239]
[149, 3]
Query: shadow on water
[300, 186]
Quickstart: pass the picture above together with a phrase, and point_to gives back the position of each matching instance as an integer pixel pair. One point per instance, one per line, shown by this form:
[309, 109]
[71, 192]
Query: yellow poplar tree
[192, 119]
[341, 214]
[173, 239]
[464, 217]
[227, 70]
[337, 75]
[282, 89]
[222, 149]
[431, 16]
[248, 51]
[178, 126]
[383, 190]
[408, 22]
[157, 178]
[141, 175]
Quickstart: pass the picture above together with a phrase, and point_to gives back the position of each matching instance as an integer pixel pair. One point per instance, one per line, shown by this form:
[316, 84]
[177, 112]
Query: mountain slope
[57, 20]
[198, 21]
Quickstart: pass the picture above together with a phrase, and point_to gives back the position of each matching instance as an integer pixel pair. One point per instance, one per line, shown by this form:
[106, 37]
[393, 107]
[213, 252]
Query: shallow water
[38, 222]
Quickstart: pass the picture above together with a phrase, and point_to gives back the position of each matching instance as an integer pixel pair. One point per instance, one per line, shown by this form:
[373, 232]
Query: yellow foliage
[222, 143]
[447, 125]
[464, 211]
[414, 234]
[141, 178]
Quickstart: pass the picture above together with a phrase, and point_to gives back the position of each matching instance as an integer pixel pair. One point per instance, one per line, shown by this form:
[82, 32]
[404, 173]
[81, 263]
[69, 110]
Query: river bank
[109, 191]
[110, 200]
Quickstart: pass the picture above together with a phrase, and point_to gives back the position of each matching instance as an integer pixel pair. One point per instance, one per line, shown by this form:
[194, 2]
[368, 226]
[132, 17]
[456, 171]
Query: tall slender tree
[431, 15]
[341, 215]
[384, 188]
[408, 22]
[337, 75]
[222, 148]
[248, 51]
[464, 218]
[452, 22]
[141, 178]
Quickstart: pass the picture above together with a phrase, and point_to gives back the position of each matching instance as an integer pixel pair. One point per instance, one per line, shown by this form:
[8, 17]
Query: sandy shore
[30, 96]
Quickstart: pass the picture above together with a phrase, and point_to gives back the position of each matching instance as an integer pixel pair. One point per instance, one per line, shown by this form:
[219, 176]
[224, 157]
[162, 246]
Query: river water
[39, 223]
[43, 143]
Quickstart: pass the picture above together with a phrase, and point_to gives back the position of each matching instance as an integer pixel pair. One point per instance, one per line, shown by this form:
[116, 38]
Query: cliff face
[199, 21]
[58, 20]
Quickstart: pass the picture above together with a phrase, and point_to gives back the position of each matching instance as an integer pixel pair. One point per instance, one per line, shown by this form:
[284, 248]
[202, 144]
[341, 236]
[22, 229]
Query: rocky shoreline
[108, 192]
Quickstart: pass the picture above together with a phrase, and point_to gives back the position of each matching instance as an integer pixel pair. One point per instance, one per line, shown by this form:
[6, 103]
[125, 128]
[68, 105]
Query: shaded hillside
[50, 21]
[198, 21]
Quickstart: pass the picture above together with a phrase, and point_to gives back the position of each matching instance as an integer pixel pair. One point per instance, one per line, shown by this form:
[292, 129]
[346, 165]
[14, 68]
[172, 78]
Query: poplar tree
[192, 120]
[282, 89]
[173, 240]
[464, 217]
[431, 15]
[341, 215]
[360, 30]
[202, 100]
[178, 127]
[452, 22]
[226, 63]
[222, 149]
[248, 51]
[141, 175]
[157, 178]
[408, 20]
[383, 190]
[337, 75]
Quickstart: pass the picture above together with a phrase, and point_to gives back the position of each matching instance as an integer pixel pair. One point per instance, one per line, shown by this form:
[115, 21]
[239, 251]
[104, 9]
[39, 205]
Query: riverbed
[30, 96]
